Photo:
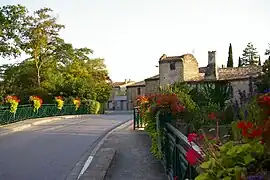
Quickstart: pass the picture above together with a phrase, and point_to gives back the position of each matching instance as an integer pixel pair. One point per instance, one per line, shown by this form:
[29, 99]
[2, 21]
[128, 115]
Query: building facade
[118, 99]
[133, 92]
[185, 69]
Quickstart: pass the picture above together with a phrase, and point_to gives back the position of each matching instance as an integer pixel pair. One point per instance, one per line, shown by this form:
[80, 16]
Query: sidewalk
[133, 159]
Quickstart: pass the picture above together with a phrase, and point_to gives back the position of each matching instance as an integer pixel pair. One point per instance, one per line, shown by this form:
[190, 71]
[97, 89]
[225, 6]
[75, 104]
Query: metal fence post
[134, 119]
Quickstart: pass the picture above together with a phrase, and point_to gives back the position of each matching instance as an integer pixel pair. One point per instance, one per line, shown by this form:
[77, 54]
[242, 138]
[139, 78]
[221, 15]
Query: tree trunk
[38, 77]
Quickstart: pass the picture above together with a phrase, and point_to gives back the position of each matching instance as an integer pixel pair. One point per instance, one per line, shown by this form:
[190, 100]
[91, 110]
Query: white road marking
[93, 153]
[86, 165]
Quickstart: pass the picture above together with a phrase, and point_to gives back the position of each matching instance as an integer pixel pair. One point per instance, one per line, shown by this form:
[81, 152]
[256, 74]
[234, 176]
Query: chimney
[125, 81]
[212, 69]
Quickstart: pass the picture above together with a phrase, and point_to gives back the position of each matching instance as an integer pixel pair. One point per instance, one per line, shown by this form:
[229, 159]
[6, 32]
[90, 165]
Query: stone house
[133, 92]
[118, 98]
[152, 84]
[185, 69]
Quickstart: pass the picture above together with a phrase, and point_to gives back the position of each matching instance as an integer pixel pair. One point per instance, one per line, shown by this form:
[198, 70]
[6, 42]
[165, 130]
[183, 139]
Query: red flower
[241, 124]
[249, 129]
[201, 137]
[175, 178]
[58, 97]
[192, 156]
[212, 116]
[14, 98]
[180, 108]
[192, 137]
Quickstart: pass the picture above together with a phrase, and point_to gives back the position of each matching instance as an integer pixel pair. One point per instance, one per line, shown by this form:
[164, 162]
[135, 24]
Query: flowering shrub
[14, 102]
[77, 103]
[149, 106]
[247, 157]
[60, 102]
[37, 102]
[230, 160]
[169, 102]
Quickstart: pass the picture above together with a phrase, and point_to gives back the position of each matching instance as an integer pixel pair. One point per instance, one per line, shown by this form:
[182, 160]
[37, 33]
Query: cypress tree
[230, 57]
[259, 63]
[240, 62]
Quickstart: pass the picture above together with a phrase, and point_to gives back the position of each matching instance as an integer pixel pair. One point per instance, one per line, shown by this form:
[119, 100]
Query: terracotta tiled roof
[118, 83]
[232, 73]
[115, 84]
[152, 78]
[239, 72]
[173, 58]
[141, 83]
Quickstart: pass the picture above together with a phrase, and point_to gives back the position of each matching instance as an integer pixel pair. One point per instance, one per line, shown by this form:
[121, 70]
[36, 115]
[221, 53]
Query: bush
[101, 109]
[93, 106]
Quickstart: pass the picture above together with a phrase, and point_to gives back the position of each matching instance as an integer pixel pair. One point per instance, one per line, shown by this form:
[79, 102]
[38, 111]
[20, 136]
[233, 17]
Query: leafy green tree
[12, 26]
[230, 57]
[41, 37]
[53, 67]
[250, 55]
[263, 82]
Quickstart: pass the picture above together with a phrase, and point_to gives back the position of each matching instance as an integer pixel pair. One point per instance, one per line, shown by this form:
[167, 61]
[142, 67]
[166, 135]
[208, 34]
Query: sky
[131, 35]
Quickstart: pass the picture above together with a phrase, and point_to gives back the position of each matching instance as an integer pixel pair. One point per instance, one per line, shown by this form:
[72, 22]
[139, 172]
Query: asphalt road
[50, 151]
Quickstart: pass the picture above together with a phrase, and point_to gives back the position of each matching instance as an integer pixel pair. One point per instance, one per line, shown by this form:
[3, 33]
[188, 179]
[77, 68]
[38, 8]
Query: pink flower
[192, 156]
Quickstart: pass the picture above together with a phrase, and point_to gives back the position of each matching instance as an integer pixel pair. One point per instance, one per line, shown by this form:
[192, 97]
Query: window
[139, 91]
[172, 66]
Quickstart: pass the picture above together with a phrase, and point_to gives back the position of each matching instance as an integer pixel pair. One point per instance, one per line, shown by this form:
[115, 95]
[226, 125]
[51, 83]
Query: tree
[12, 20]
[41, 37]
[240, 62]
[53, 67]
[259, 62]
[263, 82]
[250, 55]
[267, 51]
[230, 57]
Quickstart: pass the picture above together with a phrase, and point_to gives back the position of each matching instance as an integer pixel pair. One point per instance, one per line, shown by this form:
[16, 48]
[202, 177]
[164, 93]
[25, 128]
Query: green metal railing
[174, 148]
[137, 119]
[26, 112]
[172, 145]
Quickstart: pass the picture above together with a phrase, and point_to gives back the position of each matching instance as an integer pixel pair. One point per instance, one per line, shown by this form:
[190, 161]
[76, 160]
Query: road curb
[39, 121]
[80, 167]
[101, 164]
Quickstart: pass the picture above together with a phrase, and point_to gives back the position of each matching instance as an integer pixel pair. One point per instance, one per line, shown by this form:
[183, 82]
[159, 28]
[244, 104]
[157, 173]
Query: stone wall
[190, 68]
[186, 68]
[167, 76]
[242, 85]
[132, 95]
[212, 69]
[151, 86]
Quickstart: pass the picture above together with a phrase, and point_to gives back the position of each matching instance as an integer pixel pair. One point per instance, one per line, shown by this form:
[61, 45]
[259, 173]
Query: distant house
[185, 69]
[133, 92]
[118, 99]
